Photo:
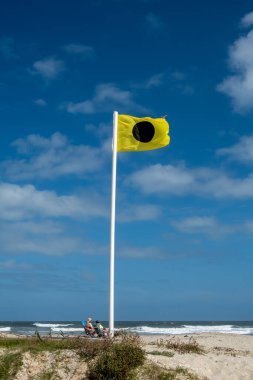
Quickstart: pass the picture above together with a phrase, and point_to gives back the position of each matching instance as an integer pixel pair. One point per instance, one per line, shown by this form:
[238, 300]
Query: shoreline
[142, 335]
[138, 327]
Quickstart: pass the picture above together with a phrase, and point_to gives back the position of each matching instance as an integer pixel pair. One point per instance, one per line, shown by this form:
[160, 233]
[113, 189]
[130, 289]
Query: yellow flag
[137, 134]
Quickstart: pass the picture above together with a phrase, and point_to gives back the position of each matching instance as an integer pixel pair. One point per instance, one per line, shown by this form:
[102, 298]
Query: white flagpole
[113, 201]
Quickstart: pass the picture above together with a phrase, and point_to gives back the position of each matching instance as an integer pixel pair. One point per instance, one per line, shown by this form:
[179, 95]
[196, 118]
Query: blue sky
[184, 213]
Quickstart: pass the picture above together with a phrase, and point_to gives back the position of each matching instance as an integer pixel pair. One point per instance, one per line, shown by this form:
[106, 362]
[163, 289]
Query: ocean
[139, 327]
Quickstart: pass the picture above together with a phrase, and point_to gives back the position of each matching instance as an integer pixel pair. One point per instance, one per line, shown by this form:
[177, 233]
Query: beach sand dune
[225, 357]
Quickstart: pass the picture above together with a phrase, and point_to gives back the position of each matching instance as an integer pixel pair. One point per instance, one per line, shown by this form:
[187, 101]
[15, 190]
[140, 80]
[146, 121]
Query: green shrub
[9, 365]
[118, 361]
[89, 349]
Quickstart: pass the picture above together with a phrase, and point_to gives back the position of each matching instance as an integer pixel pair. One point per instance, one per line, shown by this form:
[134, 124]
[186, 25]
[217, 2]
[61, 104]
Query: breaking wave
[190, 329]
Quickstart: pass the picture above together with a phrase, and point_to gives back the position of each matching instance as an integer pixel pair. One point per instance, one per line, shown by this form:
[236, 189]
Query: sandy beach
[224, 357]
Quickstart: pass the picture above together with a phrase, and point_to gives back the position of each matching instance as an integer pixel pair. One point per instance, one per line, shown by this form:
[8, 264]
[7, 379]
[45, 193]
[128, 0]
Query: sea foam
[51, 325]
[65, 329]
[5, 329]
[190, 329]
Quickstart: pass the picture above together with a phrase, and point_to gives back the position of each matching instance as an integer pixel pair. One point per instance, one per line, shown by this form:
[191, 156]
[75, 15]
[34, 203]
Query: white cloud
[154, 22]
[18, 203]
[220, 185]
[83, 51]
[48, 68]
[138, 213]
[32, 142]
[196, 223]
[204, 225]
[185, 89]
[179, 180]
[154, 253]
[248, 227]
[51, 158]
[155, 80]
[13, 265]
[178, 76]
[247, 20]
[26, 202]
[40, 102]
[239, 85]
[101, 130]
[142, 253]
[55, 239]
[242, 151]
[43, 238]
[209, 225]
[163, 179]
[107, 97]
[176, 80]
[85, 107]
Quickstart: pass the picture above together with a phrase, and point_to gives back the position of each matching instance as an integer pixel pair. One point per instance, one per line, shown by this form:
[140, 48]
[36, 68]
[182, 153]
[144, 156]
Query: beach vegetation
[121, 357]
[119, 361]
[177, 373]
[84, 347]
[36, 345]
[10, 363]
[111, 358]
[162, 353]
[183, 347]
[152, 371]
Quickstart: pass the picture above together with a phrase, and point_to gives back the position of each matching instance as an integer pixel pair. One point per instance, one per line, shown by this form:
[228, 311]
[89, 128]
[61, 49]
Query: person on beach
[100, 329]
[89, 328]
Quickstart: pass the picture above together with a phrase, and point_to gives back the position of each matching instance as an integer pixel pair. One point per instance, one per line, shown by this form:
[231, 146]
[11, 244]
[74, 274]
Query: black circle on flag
[143, 131]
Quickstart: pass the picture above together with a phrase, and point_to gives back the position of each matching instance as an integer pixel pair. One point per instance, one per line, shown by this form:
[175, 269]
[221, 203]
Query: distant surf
[52, 325]
[189, 329]
[5, 329]
[135, 327]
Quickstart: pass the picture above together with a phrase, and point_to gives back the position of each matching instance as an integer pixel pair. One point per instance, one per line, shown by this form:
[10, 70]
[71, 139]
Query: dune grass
[182, 347]
[10, 363]
[151, 371]
[162, 353]
[177, 373]
[33, 344]
[107, 358]
[120, 358]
